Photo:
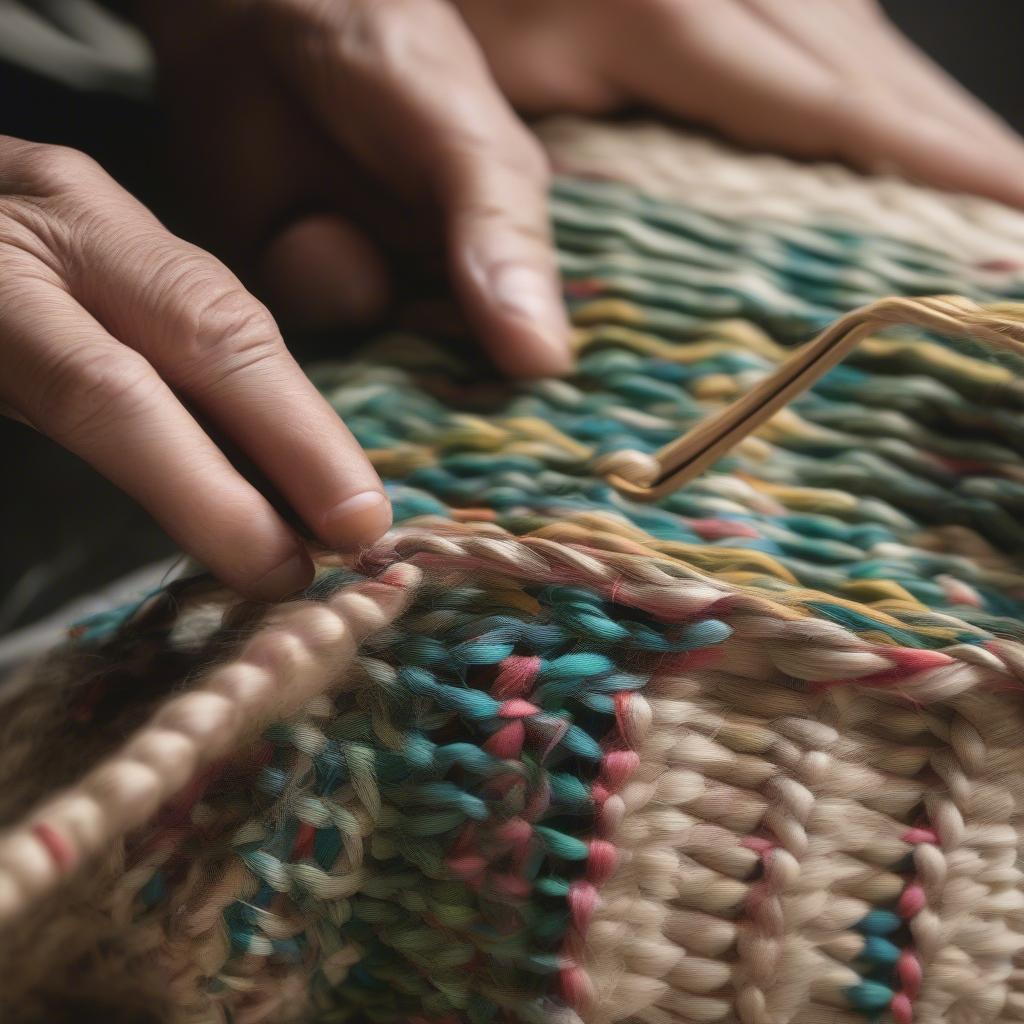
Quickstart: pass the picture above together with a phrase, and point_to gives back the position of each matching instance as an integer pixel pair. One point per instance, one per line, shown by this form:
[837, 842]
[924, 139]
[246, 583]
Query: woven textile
[750, 753]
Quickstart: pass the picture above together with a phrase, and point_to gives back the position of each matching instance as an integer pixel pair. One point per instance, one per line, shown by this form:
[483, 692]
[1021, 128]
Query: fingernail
[525, 291]
[358, 520]
[530, 294]
[291, 575]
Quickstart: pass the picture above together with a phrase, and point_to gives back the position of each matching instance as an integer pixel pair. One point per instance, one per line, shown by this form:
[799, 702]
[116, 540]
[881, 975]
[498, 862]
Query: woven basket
[748, 752]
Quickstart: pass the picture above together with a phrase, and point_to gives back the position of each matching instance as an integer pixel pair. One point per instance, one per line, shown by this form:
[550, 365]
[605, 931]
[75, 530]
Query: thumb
[501, 253]
[422, 111]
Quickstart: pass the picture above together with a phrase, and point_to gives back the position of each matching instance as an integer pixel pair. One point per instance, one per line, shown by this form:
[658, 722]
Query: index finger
[216, 344]
[74, 382]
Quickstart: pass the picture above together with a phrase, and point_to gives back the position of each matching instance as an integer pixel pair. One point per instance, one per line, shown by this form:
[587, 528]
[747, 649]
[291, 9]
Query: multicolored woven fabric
[751, 753]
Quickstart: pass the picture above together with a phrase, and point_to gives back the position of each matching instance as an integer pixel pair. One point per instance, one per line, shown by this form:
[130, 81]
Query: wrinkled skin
[328, 141]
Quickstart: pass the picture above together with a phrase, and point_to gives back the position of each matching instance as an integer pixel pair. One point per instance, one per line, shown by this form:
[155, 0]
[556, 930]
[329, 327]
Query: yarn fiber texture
[750, 753]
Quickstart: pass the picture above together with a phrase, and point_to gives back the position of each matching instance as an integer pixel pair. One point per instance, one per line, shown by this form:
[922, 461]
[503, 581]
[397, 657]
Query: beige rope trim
[817, 648]
[646, 478]
[297, 653]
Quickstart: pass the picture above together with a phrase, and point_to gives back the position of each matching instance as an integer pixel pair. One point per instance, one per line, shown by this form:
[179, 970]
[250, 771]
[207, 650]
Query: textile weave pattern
[751, 753]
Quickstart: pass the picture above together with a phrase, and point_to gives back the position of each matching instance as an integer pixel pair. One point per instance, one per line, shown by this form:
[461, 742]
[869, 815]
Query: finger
[859, 42]
[788, 99]
[105, 403]
[218, 346]
[503, 259]
[699, 67]
[421, 109]
[321, 271]
[927, 84]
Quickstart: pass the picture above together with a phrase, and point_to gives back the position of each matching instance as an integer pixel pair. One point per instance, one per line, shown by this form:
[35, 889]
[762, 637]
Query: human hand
[109, 324]
[832, 80]
[312, 127]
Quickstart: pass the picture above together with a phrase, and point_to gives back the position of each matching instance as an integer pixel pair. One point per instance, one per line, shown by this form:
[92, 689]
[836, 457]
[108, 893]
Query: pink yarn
[516, 675]
[910, 972]
[902, 1010]
[912, 902]
[601, 861]
[617, 767]
[57, 846]
[507, 742]
[915, 836]
[583, 900]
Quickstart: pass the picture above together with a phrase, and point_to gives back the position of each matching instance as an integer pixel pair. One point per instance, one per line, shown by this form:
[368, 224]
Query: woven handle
[644, 477]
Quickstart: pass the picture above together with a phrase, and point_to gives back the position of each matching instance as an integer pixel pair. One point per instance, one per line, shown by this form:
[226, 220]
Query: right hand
[109, 324]
[330, 143]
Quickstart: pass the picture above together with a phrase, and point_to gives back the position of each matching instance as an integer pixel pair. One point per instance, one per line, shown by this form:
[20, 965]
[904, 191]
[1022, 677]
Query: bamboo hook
[646, 478]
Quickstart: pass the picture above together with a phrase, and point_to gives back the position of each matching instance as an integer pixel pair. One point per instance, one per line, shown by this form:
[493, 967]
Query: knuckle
[229, 319]
[492, 218]
[37, 213]
[53, 200]
[527, 158]
[481, 176]
[378, 24]
[484, 196]
[213, 315]
[51, 170]
[93, 388]
[210, 327]
[317, 27]
[226, 330]
[381, 39]
[30, 241]
[489, 140]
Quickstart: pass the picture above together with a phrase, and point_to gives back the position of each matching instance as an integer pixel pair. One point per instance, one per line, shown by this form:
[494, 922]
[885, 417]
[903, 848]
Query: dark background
[63, 529]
